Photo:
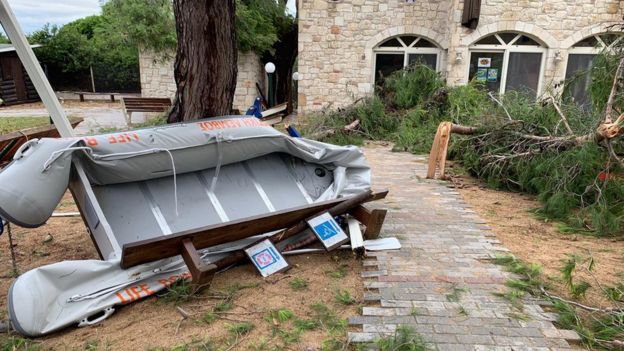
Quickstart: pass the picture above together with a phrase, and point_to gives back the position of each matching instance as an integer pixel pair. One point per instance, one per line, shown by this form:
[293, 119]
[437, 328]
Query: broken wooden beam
[372, 219]
[201, 272]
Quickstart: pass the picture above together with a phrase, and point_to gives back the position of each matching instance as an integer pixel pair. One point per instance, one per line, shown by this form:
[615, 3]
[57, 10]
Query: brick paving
[441, 282]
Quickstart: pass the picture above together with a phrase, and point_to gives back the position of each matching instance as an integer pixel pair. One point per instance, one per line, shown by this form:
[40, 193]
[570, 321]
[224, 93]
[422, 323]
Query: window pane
[491, 40]
[589, 42]
[577, 78]
[386, 64]
[508, 37]
[391, 43]
[523, 72]
[408, 40]
[486, 68]
[424, 43]
[430, 60]
[524, 40]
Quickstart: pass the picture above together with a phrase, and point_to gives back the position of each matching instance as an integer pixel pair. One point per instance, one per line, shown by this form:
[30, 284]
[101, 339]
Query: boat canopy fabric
[59, 295]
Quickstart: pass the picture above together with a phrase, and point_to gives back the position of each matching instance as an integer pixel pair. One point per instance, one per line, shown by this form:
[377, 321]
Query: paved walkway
[441, 282]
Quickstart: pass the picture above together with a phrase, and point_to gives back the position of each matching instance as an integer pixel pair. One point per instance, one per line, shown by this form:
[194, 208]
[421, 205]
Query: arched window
[402, 51]
[508, 61]
[580, 59]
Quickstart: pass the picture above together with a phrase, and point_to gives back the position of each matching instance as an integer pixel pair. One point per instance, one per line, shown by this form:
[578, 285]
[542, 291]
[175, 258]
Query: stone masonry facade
[337, 38]
[157, 78]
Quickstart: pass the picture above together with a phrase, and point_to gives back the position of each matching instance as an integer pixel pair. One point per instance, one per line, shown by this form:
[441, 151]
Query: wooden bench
[131, 105]
[82, 94]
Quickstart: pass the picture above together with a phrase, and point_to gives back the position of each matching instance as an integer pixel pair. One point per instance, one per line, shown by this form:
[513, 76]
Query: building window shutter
[472, 10]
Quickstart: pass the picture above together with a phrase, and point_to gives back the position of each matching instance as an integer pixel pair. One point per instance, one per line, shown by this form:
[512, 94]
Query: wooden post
[202, 273]
[372, 219]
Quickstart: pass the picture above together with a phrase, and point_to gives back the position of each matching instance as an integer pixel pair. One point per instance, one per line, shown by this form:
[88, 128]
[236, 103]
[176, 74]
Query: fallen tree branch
[614, 89]
[563, 117]
[580, 305]
[491, 95]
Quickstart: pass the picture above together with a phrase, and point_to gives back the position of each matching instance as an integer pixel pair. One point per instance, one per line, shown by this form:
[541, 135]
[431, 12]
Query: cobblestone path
[441, 282]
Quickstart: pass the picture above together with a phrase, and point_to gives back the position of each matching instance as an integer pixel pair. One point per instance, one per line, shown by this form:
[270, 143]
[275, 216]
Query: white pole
[33, 68]
[92, 79]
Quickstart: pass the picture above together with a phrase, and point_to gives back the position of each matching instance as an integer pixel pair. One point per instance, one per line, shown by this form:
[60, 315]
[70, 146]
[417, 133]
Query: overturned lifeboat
[154, 183]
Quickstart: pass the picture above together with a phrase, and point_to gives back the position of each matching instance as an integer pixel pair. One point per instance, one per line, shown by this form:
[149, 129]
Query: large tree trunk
[205, 66]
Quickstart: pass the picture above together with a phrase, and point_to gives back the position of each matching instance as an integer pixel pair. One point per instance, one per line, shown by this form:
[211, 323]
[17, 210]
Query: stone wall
[337, 37]
[157, 78]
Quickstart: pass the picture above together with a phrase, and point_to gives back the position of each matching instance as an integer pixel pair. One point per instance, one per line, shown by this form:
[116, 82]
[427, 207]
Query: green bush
[412, 87]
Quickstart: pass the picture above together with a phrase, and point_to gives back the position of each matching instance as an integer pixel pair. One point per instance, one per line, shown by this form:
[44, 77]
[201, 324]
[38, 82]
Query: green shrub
[412, 87]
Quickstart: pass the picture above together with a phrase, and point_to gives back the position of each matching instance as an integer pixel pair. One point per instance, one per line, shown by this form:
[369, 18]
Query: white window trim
[406, 51]
[587, 50]
[506, 49]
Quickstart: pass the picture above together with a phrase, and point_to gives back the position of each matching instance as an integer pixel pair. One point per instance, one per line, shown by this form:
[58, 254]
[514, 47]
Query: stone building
[157, 79]
[345, 46]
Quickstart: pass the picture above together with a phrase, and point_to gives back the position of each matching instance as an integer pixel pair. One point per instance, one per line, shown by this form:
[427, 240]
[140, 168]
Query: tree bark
[206, 59]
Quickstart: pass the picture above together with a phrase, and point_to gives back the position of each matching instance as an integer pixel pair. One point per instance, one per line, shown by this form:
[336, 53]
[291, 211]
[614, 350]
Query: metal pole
[34, 70]
[92, 79]
[271, 90]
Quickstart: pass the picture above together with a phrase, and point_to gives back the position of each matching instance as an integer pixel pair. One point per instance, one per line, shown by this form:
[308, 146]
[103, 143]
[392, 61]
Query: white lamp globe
[295, 76]
[269, 67]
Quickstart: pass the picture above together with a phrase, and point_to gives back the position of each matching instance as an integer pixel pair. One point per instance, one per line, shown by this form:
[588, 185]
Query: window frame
[506, 49]
[406, 50]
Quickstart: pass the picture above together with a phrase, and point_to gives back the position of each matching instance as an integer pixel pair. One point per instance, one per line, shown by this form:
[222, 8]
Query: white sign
[328, 231]
[266, 258]
[484, 62]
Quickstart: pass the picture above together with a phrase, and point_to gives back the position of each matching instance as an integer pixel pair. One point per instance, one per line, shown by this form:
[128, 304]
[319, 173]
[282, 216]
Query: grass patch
[298, 284]
[279, 315]
[404, 339]
[209, 317]
[240, 329]
[19, 344]
[344, 297]
[327, 319]
[177, 293]
[456, 294]
[13, 124]
[338, 273]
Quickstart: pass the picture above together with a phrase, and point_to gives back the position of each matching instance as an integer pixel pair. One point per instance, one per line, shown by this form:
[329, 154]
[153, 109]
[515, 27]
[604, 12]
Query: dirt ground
[155, 323]
[539, 241]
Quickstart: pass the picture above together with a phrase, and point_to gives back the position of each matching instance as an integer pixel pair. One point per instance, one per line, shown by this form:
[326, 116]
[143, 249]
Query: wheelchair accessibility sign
[266, 258]
[328, 231]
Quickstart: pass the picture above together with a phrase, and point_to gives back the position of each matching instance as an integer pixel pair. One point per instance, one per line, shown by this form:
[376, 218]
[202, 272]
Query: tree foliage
[70, 51]
[151, 24]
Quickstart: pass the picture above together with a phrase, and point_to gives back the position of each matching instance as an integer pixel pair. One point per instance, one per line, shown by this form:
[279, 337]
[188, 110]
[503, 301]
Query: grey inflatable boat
[151, 183]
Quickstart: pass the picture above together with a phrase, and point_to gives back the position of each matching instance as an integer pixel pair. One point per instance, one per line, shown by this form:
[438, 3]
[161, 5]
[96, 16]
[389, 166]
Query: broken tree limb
[564, 120]
[352, 126]
[491, 95]
[617, 82]
[439, 149]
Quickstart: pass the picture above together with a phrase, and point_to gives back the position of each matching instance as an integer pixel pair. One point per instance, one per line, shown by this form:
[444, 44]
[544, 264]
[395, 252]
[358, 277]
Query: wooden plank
[163, 247]
[281, 108]
[373, 220]
[202, 273]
